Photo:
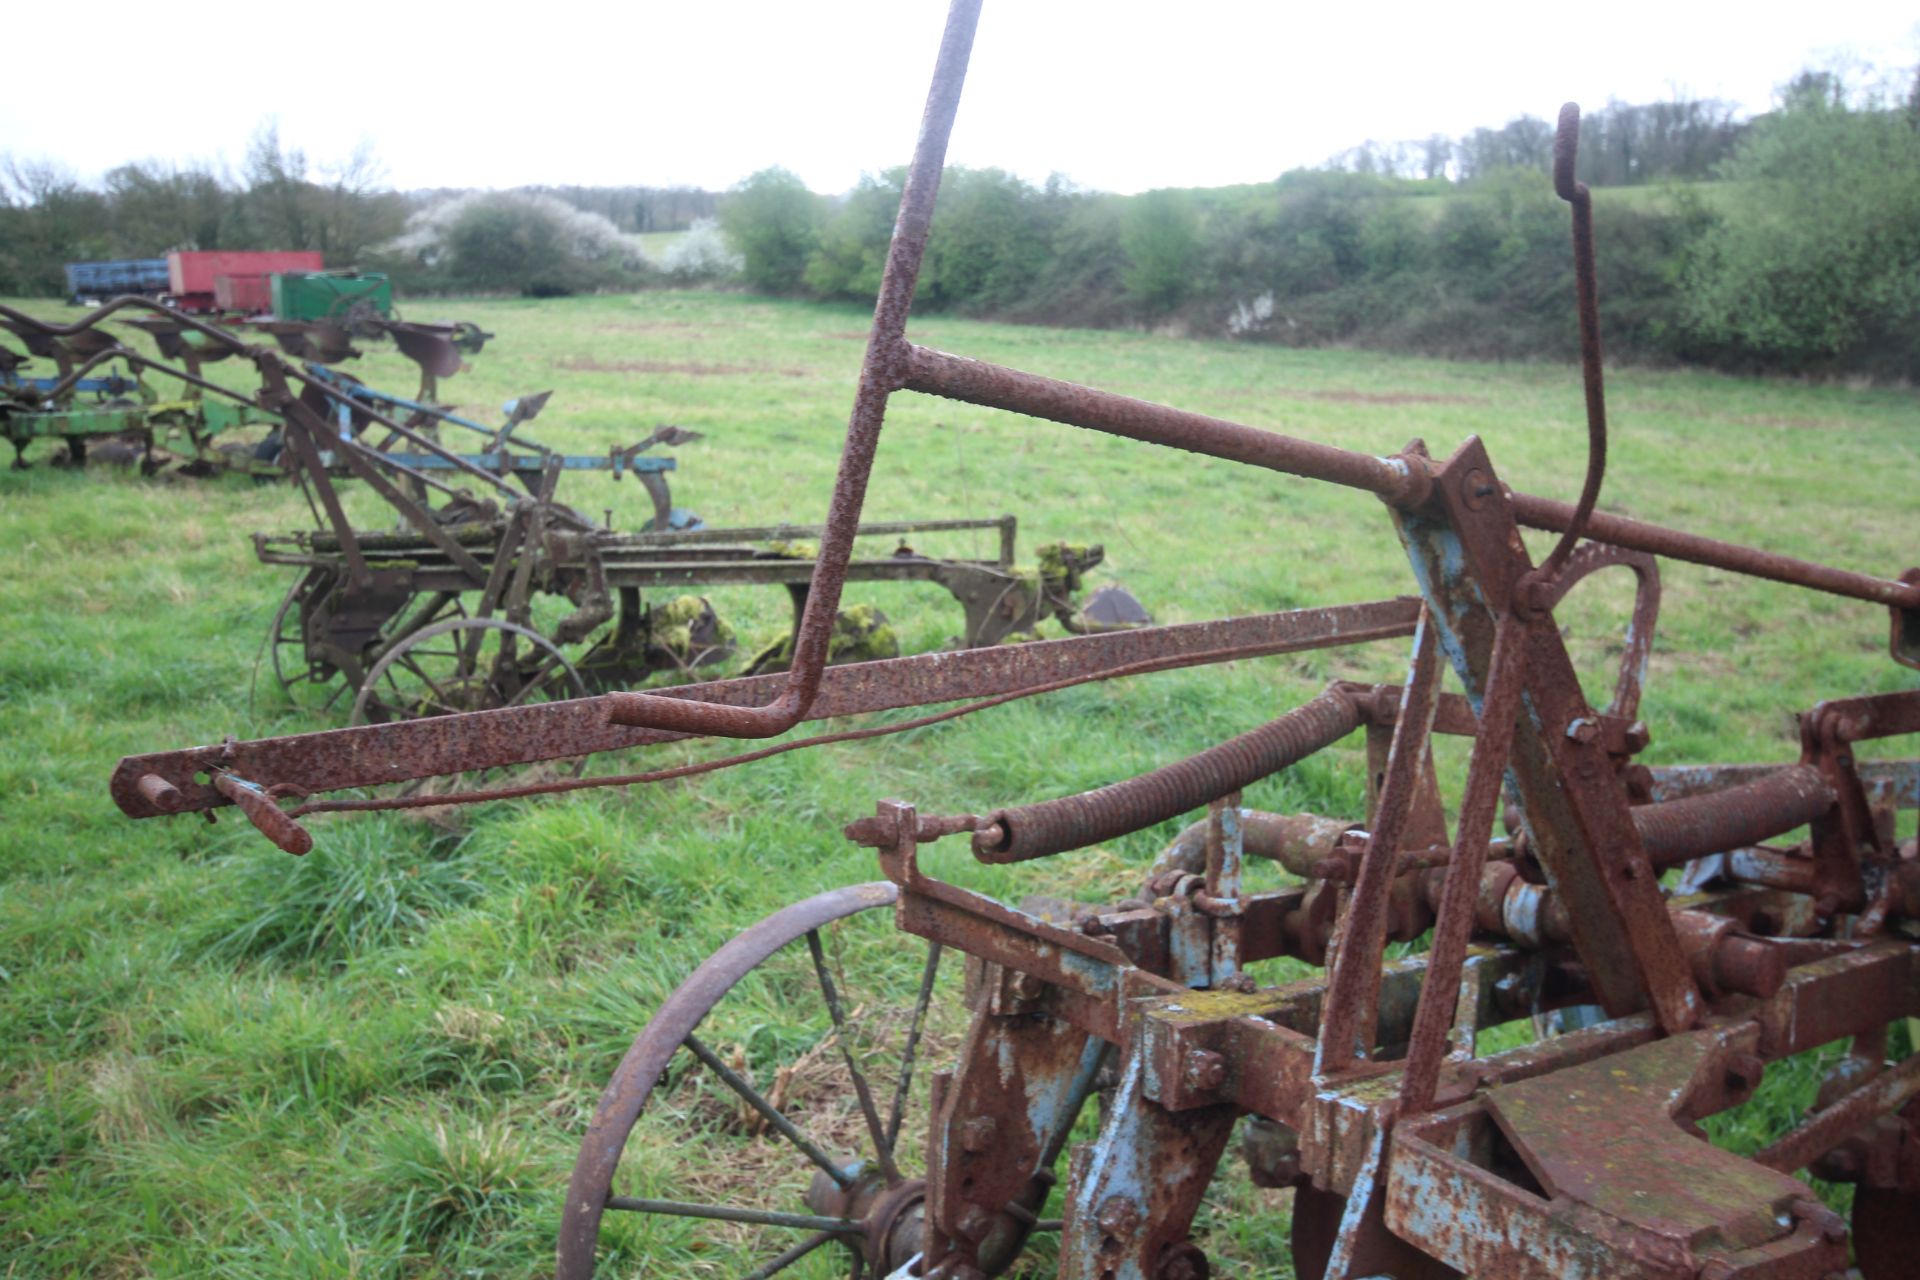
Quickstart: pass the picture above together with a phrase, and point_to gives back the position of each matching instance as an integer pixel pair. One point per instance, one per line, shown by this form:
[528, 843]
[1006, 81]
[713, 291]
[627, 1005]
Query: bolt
[1205, 1071]
[1118, 1216]
[975, 1221]
[1638, 736]
[1744, 1071]
[1475, 488]
[1824, 1220]
[977, 1134]
[1028, 986]
[1183, 1261]
[1584, 730]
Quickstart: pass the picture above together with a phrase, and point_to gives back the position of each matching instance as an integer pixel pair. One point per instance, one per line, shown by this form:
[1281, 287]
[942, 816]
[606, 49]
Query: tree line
[538, 239]
[1789, 242]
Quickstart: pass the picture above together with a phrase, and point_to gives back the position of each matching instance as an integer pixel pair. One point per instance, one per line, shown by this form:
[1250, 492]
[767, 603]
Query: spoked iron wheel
[469, 664]
[308, 680]
[295, 673]
[801, 1096]
[464, 664]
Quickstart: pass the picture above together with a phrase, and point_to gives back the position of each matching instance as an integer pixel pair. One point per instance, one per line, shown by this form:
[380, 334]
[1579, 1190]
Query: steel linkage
[1666, 930]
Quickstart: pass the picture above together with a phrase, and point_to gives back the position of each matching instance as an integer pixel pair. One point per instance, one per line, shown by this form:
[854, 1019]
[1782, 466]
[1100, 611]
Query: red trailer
[252, 295]
[194, 276]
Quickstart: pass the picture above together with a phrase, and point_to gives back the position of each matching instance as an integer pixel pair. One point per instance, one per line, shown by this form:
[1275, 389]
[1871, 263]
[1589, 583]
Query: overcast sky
[1118, 95]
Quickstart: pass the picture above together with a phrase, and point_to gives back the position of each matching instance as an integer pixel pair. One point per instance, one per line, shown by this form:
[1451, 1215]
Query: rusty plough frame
[1412, 1154]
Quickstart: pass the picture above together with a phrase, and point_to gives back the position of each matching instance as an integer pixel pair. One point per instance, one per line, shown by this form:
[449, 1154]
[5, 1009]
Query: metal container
[193, 273]
[250, 294]
[329, 295]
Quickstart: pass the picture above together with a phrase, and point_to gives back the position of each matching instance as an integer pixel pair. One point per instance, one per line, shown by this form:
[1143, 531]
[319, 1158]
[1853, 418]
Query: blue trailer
[110, 279]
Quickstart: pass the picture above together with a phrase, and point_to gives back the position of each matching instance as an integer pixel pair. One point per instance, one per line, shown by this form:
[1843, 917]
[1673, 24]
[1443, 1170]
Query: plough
[1110, 1054]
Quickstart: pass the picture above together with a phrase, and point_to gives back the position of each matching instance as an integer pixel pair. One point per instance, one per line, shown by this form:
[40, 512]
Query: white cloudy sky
[1119, 95]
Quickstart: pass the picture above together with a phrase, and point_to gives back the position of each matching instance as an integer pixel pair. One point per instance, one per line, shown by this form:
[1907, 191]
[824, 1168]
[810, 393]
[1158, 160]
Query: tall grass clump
[444, 1180]
[368, 884]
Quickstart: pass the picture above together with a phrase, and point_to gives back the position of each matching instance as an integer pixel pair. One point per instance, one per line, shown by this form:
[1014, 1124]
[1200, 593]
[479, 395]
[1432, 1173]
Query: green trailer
[330, 295]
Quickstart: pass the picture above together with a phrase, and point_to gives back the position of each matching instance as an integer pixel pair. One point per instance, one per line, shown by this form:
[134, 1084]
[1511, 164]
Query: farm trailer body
[97, 280]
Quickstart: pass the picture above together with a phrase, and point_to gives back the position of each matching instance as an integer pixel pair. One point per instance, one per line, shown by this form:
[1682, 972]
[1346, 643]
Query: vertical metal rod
[1454, 925]
[1566, 149]
[907, 1054]
[1353, 990]
[880, 375]
[883, 1149]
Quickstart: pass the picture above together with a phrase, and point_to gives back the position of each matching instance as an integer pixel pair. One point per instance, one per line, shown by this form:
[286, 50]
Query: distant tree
[155, 208]
[47, 219]
[1820, 259]
[1161, 239]
[773, 222]
[853, 243]
[989, 241]
[275, 212]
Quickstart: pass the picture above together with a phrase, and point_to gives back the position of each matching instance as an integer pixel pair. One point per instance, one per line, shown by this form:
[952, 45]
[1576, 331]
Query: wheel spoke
[780, 1262]
[914, 1028]
[767, 1110]
[728, 1213]
[883, 1149]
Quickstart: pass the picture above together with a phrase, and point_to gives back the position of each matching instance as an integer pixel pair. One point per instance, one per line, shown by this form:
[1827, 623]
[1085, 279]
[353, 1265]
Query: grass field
[378, 1061]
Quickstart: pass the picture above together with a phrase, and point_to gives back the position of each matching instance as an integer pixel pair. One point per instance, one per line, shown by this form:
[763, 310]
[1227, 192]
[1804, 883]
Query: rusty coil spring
[1681, 830]
[1052, 826]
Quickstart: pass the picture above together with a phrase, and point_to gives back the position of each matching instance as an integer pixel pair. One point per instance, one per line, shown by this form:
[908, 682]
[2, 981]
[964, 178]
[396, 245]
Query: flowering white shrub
[701, 254]
[518, 240]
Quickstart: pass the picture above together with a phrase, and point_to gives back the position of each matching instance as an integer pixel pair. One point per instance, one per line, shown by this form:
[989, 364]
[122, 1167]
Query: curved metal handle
[273, 823]
[1566, 150]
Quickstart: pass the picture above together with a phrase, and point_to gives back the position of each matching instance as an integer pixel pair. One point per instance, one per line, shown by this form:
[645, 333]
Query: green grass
[379, 1062]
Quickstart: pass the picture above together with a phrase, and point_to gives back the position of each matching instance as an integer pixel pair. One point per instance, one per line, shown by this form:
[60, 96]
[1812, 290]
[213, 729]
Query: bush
[1161, 238]
[513, 241]
[701, 255]
[773, 223]
[1818, 265]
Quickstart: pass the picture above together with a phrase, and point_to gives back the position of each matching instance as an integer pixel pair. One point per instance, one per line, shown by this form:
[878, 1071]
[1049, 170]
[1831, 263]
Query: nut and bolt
[1183, 1261]
[1744, 1071]
[1829, 1224]
[1119, 1216]
[1205, 1070]
[1027, 986]
[976, 1135]
[974, 1224]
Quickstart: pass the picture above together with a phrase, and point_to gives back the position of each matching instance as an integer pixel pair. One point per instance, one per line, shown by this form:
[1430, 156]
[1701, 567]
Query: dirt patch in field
[583, 364]
[645, 326]
[1342, 396]
[1791, 424]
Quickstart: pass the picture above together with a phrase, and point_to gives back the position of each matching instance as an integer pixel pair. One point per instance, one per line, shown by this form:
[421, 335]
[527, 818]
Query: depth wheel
[294, 670]
[469, 664]
[796, 1094]
[464, 664]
